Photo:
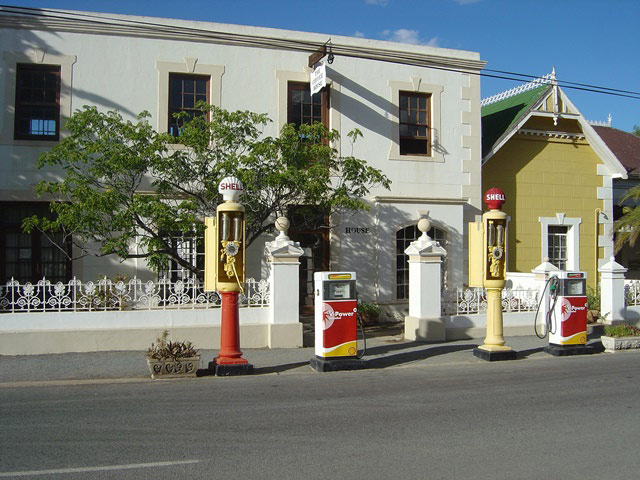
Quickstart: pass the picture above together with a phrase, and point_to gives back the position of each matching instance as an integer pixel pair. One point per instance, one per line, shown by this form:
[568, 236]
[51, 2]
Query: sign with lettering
[318, 77]
[494, 198]
[230, 188]
[364, 230]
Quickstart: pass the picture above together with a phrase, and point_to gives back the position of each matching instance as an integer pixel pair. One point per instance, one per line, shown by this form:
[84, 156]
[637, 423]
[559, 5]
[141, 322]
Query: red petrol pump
[225, 273]
[336, 309]
[566, 314]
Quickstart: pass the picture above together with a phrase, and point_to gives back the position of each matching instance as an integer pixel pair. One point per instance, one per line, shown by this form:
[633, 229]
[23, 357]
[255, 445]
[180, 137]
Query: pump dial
[231, 249]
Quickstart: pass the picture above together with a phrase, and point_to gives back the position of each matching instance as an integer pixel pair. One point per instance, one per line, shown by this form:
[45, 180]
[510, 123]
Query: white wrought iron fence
[471, 301]
[106, 295]
[632, 293]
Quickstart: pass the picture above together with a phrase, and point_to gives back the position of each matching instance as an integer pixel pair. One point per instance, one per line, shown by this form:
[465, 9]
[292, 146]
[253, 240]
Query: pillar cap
[612, 267]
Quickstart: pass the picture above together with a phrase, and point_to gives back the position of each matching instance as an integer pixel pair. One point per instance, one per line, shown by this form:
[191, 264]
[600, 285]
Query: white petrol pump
[336, 310]
[565, 313]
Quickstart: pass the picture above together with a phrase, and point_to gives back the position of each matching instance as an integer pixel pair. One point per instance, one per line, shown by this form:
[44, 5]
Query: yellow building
[557, 175]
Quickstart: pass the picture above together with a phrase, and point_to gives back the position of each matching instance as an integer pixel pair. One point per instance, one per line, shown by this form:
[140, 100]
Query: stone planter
[611, 344]
[183, 367]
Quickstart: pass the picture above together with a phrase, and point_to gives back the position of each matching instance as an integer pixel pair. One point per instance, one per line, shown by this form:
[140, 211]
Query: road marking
[32, 473]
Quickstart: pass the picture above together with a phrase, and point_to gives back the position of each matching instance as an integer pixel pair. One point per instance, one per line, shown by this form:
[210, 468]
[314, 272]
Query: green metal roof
[498, 117]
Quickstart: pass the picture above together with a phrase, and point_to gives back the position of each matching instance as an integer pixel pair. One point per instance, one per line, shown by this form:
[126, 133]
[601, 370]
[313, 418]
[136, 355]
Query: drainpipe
[597, 231]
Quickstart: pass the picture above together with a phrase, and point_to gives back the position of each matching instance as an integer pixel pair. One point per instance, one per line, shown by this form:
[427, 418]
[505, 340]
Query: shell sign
[494, 198]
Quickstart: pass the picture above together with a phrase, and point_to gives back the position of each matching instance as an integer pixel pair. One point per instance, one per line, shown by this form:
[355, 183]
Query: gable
[499, 117]
[540, 110]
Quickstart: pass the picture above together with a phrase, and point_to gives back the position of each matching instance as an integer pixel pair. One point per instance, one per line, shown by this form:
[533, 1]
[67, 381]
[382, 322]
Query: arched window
[404, 237]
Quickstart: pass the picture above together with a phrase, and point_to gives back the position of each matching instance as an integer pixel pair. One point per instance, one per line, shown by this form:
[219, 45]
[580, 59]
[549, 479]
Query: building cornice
[201, 32]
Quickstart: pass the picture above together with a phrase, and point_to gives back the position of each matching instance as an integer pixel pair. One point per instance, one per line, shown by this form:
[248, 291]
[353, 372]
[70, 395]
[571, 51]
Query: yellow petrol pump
[225, 273]
[488, 269]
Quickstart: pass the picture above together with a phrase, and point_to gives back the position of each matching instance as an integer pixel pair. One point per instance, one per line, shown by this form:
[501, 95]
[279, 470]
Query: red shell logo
[565, 309]
[494, 198]
[328, 316]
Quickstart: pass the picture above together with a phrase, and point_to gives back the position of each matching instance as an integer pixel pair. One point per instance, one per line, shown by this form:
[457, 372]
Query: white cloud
[358, 34]
[405, 35]
[382, 3]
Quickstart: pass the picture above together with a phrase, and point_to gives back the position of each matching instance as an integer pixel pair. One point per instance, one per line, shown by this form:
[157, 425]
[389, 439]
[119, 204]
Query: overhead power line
[193, 33]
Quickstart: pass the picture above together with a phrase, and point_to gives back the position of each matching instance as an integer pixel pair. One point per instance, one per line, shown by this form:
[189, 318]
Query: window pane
[175, 99]
[201, 86]
[296, 96]
[188, 101]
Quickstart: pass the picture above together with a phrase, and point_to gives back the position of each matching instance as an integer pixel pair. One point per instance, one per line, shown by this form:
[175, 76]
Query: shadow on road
[415, 355]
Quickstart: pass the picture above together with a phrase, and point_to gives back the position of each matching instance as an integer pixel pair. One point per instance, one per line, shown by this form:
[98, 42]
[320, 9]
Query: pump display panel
[573, 287]
[341, 290]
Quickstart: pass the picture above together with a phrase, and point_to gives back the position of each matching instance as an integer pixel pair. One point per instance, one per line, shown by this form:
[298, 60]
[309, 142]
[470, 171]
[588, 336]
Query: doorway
[309, 227]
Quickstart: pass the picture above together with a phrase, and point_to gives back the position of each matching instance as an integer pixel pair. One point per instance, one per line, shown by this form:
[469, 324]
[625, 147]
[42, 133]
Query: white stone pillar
[285, 329]
[541, 275]
[425, 321]
[612, 304]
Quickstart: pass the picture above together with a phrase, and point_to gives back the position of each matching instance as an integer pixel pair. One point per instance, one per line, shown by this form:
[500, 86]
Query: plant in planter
[621, 336]
[167, 359]
[369, 313]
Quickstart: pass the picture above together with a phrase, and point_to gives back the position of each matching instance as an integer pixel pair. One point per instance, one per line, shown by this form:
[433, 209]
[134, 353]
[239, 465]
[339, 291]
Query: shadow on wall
[365, 116]
[374, 251]
[28, 41]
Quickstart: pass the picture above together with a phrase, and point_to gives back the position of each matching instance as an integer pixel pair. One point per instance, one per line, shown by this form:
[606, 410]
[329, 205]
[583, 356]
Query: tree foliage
[627, 227]
[128, 189]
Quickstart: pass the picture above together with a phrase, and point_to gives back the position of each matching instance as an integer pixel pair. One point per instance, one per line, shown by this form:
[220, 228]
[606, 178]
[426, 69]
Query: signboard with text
[318, 77]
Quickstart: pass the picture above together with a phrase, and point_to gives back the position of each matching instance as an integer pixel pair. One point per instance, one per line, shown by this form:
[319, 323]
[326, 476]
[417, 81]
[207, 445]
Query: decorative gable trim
[545, 80]
[551, 134]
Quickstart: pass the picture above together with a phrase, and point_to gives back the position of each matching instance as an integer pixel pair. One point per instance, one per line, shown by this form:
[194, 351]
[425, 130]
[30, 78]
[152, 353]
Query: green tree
[122, 183]
[636, 130]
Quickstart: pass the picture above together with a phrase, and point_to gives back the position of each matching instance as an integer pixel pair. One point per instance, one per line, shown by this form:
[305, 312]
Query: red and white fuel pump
[566, 314]
[336, 309]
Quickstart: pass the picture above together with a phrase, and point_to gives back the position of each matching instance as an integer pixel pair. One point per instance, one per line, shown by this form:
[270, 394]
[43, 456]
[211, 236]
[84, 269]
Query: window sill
[417, 158]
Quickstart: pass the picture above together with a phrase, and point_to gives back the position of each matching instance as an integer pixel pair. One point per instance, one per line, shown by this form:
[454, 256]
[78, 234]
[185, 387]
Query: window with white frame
[37, 96]
[560, 237]
[181, 83]
[415, 137]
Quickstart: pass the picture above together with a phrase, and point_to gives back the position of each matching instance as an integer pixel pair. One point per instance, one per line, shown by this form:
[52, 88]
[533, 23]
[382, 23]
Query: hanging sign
[318, 77]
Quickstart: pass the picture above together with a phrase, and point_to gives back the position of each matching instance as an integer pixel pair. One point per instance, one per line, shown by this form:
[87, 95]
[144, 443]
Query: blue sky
[588, 41]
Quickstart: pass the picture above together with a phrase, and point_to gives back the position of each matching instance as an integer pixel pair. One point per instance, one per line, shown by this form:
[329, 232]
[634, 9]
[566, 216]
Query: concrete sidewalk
[386, 348]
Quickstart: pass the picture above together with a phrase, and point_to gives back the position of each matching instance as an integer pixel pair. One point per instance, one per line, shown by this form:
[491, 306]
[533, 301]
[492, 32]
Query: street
[571, 417]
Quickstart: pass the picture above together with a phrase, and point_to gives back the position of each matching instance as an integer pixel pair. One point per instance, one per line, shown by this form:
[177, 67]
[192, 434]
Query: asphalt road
[568, 417]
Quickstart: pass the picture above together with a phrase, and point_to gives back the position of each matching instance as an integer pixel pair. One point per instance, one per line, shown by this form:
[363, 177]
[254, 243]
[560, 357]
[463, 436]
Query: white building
[69, 59]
